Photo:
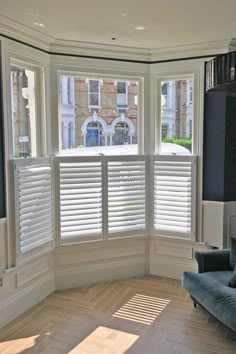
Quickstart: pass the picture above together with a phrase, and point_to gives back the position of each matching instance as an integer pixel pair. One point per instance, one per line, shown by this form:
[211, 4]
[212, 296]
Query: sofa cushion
[232, 281]
[211, 290]
[233, 253]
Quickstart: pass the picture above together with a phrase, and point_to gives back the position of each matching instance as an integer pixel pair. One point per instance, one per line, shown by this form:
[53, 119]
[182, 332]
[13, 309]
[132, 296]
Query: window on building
[164, 94]
[98, 124]
[121, 136]
[164, 130]
[122, 94]
[178, 117]
[23, 111]
[70, 135]
[94, 93]
[189, 92]
[67, 90]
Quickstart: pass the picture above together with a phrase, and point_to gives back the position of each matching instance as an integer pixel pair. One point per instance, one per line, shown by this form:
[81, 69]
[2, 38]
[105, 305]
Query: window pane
[94, 86]
[176, 116]
[96, 123]
[121, 87]
[93, 99]
[23, 111]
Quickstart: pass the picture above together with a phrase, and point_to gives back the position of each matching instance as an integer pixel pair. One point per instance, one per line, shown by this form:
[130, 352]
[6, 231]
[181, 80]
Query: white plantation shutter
[174, 195]
[126, 195]
[80, 198]
[33, 204]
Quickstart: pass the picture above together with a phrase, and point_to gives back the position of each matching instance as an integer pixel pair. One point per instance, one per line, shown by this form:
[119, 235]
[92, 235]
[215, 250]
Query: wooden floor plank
[140, 315]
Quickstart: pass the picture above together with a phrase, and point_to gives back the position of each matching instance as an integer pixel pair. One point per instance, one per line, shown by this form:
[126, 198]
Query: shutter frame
[175, 179]
[122, 167]
[34, 229]
[71, 176]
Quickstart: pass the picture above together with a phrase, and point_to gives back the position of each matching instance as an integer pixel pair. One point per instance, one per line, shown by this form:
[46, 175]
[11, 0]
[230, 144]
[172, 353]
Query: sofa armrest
[213, 260]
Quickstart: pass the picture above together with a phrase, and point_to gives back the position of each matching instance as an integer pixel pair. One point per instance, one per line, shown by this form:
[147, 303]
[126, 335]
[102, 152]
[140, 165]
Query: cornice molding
[191, 50]
[28, 35]
[100, 50]
[24, 33]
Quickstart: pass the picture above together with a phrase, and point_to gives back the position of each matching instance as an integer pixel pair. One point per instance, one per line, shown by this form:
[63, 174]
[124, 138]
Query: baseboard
[25, 299]
[76, 277]
[170, 269]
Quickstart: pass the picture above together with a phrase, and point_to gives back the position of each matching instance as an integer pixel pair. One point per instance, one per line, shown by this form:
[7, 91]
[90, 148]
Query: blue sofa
[211, 287]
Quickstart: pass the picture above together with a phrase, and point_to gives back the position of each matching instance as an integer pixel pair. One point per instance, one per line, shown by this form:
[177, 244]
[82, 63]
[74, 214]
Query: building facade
[98, 112]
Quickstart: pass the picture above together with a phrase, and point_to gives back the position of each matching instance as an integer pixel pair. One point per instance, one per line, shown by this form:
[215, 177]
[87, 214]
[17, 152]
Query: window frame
[126, 94]
[183, 69]
[40, 124]
[101, 76]
[67, 98]
[158, 108]
[91, 106]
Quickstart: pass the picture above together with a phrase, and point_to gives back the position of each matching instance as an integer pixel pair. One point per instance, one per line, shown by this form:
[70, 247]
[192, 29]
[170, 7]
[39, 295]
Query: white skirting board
[24, 300]
[82, 276]
[165, 268]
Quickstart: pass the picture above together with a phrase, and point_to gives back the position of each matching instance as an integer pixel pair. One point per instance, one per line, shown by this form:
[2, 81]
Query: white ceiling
[166, 23]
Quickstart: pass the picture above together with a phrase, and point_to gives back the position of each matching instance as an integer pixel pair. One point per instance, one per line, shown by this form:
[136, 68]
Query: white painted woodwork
[126, 190]
[213, 223]
[34, 200]
[219, 223]
[174, 196]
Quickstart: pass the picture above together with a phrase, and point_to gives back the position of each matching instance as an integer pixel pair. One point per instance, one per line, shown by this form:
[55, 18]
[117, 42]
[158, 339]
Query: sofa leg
[194, 304]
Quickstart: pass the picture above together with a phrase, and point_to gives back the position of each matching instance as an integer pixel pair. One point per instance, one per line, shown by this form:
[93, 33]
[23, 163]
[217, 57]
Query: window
[164, 94]
[121, 134]
[122, 94]
[24, 110]
[96, 124]
[178, 117]
[94, 93]
[189, 92]
[164, 131]
[67, 90]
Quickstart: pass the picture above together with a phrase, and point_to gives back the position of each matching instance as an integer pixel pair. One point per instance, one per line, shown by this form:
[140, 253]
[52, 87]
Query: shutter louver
[80, 199]
[34, 222]
[173, 195]
[126, 196]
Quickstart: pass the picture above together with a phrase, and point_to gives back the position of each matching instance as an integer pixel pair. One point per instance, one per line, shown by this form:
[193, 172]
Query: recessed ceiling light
[39, 24]
[123, 14]
[139, 28]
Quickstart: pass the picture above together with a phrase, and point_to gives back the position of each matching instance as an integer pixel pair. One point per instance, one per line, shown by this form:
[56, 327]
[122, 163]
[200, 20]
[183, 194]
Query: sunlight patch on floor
[18, 345]
[142, 308]
[105, 340]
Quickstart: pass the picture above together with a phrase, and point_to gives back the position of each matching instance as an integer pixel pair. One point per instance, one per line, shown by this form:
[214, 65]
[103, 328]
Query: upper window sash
[94, 93]
[27, 108]
[67, 90]
[122, 93]
[175, 115]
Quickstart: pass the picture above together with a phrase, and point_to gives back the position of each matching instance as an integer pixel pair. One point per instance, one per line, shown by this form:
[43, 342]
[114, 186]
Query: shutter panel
[174, 195]
[80, 194]
[34, 208]
[126, 196]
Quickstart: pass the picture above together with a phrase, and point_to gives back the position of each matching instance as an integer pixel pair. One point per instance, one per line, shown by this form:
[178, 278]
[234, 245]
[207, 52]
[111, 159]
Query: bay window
[99, 187]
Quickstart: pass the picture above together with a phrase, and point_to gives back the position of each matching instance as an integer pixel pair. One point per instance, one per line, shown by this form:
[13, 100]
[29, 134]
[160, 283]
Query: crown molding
[191, 50]
[100, 50]
[28, 35]
[24, 33]
[232, 45]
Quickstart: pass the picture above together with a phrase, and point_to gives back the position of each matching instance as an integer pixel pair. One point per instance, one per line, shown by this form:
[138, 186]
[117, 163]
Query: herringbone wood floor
[139, 315]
